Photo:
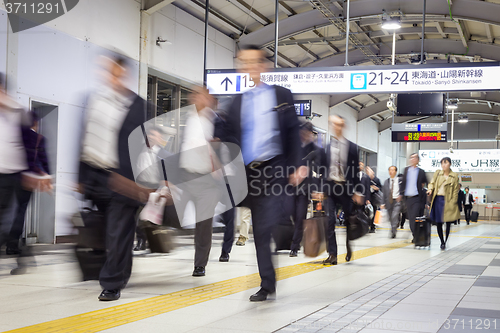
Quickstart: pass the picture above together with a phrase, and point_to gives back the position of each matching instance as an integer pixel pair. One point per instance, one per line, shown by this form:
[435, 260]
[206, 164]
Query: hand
[429, 192]
[317, 195]
[375, 188]
[368, 202]
[298, 176]
[382, 207]
[399, 198]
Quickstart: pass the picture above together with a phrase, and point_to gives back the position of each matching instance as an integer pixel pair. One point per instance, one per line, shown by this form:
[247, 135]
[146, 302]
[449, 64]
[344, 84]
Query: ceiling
[312, 34]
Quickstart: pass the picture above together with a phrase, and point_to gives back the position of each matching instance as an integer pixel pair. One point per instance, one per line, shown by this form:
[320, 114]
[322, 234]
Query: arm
[432, 184]
[454, 198]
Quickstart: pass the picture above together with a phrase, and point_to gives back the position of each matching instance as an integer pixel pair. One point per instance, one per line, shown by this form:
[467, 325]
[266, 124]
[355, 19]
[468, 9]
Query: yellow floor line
[99, 320]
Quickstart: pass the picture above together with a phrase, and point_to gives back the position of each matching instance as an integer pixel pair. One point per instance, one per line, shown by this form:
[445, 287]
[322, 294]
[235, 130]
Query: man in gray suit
[392, 198]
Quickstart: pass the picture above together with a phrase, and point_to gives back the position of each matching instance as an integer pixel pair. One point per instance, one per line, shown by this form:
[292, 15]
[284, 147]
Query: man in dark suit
[106, 174]
[461, 199]
[264, 124]
[38, 164]
[343, 185]
[468, 201]
[412, 190]
[375, 195]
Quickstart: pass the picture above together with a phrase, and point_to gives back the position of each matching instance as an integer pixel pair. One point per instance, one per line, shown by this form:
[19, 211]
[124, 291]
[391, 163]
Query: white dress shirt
[13, 153]
[339, 149]
[394, 182]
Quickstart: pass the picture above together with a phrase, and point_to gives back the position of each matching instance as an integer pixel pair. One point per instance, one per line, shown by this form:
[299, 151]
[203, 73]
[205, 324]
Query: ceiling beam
[375, 99]
[415, 31]
[286, 9]
[309, 53]
[489, 35]
[216, 16]
[330, 45]
[155, 6]
[440, 29]
[463, 32]
[360, 105]
[252, 12]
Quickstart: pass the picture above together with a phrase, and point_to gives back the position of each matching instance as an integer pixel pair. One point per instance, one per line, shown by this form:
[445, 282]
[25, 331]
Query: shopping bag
[377, 220]
[314, 240]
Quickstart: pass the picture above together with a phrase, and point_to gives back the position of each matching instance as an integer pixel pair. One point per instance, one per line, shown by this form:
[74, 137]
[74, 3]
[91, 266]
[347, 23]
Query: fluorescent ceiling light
[452, 106]
[463, 118]
[392, 24]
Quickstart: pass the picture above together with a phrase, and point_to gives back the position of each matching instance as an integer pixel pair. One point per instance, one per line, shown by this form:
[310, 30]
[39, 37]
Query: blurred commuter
[414, 180]
[38, 164]
[14, 165]
[375, 195]
[244, 216]
[197, 163]
[312, 158]
[468, 201]
[106, 172]
[460, 201]
[393, 199]
[263, 122]
[443, 190]
[342, 166]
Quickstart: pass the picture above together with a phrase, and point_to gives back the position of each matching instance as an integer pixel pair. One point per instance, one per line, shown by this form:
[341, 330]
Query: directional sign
[462, 160]
[419, 132]
[365, 79]
[303, 108]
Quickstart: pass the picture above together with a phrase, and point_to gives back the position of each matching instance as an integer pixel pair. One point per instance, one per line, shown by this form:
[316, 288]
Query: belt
[259, 164]
[413, 196]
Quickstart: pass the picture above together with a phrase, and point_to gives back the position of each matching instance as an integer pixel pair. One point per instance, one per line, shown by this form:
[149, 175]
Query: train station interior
[407, 78]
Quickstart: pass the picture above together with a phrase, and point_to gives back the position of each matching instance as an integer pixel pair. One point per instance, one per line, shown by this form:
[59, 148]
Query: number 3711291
[39, 8]
[473, 324]
[382, 78]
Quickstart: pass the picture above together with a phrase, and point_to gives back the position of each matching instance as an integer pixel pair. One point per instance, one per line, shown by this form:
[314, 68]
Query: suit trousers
[413, 207]
[266, 202]
[23, 199]
[300, 212]
[394, 210]
[467, 210]
[345, 201]
[228, 221]
[9, 185]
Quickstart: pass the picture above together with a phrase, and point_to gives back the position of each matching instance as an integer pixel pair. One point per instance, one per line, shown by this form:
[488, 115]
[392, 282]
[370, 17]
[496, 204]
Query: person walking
[393, 199]
[263, 122]
[376, 197]
[412, 191]
[467, 203]
[461, 199]
[244, 216]
[443, 190]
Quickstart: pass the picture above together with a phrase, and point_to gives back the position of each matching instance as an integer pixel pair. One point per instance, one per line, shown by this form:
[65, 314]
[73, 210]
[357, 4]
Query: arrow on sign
[226, 80]
[424, 154]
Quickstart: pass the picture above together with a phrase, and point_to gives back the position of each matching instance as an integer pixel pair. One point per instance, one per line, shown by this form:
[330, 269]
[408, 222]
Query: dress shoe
[293, 253]
[331, 260]
[199, 271]
[109, 295]
[468, 223]
[141, 245]
[393, 235]
[372, 231]
[348, 256]
[241, 241]
[224, 257]
[443, 246]
[260, 296]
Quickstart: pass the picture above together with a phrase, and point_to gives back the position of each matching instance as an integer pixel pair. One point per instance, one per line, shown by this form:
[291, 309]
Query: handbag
[359, 224]
[377, 199]
[314, 239]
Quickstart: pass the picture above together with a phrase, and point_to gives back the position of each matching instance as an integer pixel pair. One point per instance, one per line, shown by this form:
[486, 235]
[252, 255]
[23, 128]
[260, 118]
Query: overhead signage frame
[364, 79]
[462, 160]
[415, 132]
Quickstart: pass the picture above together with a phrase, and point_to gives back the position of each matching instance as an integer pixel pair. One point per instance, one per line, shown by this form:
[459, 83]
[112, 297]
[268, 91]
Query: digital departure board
[303, 108]
[419, 132]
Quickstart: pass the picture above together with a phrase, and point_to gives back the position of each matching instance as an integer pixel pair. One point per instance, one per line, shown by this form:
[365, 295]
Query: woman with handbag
[443, 192]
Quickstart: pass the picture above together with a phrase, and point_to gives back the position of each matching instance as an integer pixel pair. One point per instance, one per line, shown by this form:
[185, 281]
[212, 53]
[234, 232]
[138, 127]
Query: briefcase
[358, 224]
[422, 232]
[93, 232]
[314, 239]
[160, 238]
[91, 262]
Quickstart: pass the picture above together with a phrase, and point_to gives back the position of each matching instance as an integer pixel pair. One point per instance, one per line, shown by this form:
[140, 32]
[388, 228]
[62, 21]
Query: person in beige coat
[443, 190]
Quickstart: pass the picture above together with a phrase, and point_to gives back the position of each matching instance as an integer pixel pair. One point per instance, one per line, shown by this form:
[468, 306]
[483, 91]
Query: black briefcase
[358, 224]
[160, 238]
[91, 262]
[93, 232]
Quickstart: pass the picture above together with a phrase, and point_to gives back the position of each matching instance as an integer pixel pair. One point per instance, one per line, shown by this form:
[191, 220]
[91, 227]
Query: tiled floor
[388, 287]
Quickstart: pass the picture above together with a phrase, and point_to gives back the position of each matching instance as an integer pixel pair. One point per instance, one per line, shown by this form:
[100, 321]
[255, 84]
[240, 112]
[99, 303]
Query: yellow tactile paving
[99, 320]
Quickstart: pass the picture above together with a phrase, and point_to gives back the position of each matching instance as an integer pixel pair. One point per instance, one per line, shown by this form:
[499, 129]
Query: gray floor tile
[487, 250]
[477, 313]
[495, 262]
[486, 281]
[465, 270]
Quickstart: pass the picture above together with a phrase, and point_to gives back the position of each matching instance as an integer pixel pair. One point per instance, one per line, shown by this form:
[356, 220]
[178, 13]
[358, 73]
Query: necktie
[391, 197]
[248, 128]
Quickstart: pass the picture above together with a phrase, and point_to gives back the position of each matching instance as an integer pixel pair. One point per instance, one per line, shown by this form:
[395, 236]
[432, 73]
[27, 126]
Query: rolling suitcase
[474, 216]
[422, 232]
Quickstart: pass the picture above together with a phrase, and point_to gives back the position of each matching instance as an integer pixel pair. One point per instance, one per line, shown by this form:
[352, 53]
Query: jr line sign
[368, 79]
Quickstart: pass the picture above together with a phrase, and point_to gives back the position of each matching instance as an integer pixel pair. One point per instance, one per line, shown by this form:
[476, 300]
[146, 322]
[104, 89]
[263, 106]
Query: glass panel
[183, 114]
[165, 112]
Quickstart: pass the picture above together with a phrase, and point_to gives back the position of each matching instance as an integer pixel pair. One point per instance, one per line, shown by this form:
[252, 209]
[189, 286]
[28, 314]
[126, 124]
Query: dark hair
[467, 188]
[415, 154]
[399, 175]
[251, 47]
[460, 185]
[393, 166]
[337, 115]
[446, 159]
[307, 126]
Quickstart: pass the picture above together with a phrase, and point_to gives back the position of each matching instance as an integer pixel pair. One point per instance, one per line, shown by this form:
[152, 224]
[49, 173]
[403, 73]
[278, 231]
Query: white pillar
[144, 55]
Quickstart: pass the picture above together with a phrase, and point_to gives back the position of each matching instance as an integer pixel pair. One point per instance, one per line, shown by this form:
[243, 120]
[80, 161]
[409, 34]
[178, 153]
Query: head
[467, 189]
[337, 124]
[155, 137]
[459, 186]
[370, 172]
[306, 133]
[445, 163]
[115, 73]
[414, 159]
[34, 121]
[252, 60]
[201, 98]
[393, 170]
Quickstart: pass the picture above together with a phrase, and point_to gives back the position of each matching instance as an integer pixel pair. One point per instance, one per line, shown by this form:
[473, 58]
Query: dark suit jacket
[365, 188]
[461, 199]
[35, 151]
[386, 189]
[287, 120]
[352, 167]
[471, 199]
[421, 181]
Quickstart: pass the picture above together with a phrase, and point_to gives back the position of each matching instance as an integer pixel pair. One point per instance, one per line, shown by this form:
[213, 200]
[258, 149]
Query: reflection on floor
[389, 287]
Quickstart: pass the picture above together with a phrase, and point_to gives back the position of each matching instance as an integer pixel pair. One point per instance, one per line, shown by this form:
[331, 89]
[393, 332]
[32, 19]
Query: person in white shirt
[392, 198]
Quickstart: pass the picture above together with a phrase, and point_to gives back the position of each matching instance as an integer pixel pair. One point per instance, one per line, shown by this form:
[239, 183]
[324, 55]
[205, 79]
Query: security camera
[391, 105]
[451, 150]
[316, 115]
